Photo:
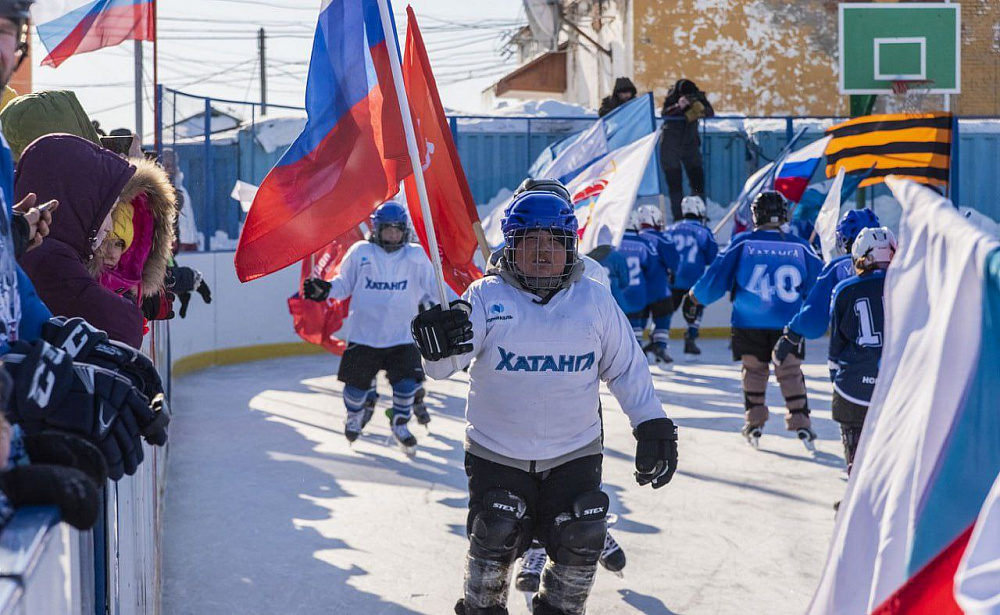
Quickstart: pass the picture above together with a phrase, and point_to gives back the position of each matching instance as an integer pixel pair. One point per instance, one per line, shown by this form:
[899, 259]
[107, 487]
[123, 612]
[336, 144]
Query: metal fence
[218, 142]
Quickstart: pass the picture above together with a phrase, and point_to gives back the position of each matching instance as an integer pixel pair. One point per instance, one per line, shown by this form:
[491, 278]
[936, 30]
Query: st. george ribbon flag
[351, 155]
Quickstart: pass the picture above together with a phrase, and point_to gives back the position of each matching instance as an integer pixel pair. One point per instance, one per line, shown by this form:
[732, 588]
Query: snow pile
[501, 120]
[279, 132]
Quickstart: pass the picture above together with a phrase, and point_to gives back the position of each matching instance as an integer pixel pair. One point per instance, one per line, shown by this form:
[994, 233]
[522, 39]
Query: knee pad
[577, 537]
[498, 529]
[354, 399]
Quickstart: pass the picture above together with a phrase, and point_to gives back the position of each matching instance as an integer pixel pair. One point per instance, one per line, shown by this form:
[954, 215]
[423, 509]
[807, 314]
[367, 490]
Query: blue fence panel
[979, 169]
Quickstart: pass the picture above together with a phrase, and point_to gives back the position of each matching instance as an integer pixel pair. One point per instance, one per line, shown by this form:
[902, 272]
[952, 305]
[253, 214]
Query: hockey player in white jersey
[386, 278]
[539, 338]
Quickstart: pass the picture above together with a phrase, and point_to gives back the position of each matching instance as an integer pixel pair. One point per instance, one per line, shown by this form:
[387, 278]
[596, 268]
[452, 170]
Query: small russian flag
[796, 170]
[68, 27]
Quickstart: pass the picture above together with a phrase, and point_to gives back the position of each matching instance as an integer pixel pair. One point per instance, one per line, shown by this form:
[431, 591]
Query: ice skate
[530, 574]
[691, 350]
[401, 434]
[752, 434]
[423, 416]
[613, 557]
[660, 354]
[353, 425]
[368, 410]
[808, 438]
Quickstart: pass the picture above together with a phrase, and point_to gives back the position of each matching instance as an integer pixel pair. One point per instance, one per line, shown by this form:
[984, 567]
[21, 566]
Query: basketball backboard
[883, 43]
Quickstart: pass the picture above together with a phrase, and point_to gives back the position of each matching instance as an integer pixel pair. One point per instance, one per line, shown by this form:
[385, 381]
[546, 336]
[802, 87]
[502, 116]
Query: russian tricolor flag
[350, 156]
[68, 27]
[796, 171]
[928, 466]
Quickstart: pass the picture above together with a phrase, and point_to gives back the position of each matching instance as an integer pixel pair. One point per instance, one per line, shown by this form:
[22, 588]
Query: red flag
[350, 156]
[451, 203]
[932, 590]
[317, 321]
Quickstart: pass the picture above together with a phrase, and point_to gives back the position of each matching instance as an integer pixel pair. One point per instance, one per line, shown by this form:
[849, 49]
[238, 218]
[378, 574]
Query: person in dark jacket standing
[680, 144]
[624, 91]
[87, 180]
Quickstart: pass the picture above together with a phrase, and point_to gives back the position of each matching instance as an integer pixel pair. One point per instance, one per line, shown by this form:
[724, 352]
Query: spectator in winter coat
[133, 259]
[624, 91]
[87, 181]
[680, 144]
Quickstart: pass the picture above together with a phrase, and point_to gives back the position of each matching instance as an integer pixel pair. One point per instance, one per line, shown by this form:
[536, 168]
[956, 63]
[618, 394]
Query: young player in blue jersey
[857, 327]
[696, 247]
[767, 273]
[812, 319]
[658, 303]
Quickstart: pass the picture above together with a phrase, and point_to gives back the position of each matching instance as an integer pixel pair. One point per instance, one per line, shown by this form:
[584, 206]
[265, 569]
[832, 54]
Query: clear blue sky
[209, 47]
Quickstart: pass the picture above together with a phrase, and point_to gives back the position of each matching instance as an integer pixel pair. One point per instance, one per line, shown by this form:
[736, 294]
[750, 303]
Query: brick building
[753, 57]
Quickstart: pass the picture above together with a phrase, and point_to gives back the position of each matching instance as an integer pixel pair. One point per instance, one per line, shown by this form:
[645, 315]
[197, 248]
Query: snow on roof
[278, 132]
[495, 121]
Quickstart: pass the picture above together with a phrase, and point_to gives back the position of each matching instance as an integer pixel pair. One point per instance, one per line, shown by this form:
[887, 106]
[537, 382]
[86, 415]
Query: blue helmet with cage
[532, 215]
[851, 224]
[389, 215]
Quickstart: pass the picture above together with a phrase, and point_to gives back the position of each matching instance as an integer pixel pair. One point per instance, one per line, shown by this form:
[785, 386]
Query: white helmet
[694, 206]
[873, 248]
[633, 222]
[651, 216]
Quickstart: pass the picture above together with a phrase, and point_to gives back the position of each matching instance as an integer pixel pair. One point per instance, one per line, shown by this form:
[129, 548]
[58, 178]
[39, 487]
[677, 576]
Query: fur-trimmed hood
[145, 262]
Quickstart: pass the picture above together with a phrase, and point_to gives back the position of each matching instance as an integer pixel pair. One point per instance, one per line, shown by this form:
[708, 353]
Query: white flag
[826, 221]
[244, 193]
[977, 581]
[586, 148]
[933, 332]
[604, 193]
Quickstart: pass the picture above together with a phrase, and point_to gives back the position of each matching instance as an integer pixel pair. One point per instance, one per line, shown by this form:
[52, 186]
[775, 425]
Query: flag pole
[777, 162]
[411, 146]
[156, 78]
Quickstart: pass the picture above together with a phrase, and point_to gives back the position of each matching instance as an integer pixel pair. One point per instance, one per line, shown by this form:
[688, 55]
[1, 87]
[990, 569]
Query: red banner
[451, 203]
[317, 321]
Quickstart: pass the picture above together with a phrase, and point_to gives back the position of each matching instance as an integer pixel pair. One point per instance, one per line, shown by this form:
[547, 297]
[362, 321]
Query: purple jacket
[86, 180]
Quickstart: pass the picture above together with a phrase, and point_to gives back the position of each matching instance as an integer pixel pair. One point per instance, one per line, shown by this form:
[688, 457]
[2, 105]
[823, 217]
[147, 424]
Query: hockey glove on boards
[85, 344]
[790, 343]
[655, 452]
[316, 289]
[691, 309]
[158, 307]
[70, 490]
[53, 393]
[440, 334]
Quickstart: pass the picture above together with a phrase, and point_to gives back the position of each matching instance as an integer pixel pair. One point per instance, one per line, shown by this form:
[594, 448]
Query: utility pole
[138, 89]
[262, 48]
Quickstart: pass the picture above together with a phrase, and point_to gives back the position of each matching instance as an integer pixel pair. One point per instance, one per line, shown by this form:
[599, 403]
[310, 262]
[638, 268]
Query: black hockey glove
[86, 344]
[655, 452]
[70, 490]
[790, 343]
[440, 334]
[691, 309]
[53, 393]
[65, 449]
[316, 289]
[184, 281]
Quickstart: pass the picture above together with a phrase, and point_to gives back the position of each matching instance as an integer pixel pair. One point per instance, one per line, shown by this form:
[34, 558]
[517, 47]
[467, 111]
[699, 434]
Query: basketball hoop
[910, 96]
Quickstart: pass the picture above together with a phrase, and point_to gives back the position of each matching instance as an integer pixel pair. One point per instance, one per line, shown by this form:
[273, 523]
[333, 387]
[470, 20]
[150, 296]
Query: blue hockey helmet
[531, 212]
[389, 215]
[851, 224]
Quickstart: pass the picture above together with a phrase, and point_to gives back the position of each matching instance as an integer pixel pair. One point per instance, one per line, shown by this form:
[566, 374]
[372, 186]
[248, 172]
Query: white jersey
[385, 289]
[595, 271]
[535, 369]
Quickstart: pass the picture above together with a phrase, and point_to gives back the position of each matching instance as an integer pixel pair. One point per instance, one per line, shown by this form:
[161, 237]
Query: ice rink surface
[269, 511]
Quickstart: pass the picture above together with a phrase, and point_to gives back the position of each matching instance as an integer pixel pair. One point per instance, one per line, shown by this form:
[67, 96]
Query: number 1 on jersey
[867, 335]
